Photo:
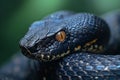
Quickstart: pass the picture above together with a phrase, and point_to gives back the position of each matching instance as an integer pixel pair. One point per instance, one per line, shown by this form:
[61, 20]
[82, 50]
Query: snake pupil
[60, 36]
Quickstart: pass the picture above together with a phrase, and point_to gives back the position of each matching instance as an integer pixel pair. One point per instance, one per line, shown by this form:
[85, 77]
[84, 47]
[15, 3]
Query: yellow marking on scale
[63, 54]
[90, 43]
[91, 48]
[77, 48]
[96, 46]
[53, 57]
[58, 56]
[100, 47]
[42, 56]
[68, 52]
[95, 49]
[48, 57]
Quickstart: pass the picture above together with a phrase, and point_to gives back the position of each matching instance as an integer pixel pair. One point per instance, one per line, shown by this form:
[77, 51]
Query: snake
[68, 46]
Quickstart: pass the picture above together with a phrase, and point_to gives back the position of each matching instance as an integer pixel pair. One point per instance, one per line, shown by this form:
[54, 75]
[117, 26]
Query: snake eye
[60, 36]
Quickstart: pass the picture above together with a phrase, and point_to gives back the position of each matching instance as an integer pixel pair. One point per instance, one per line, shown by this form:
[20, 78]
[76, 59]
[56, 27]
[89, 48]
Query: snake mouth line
[48, 57]
[42, 56]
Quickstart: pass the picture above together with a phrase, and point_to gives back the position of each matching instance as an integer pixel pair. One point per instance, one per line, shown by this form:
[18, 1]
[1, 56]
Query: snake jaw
[49, 57]
[44, 58]
[94, 48]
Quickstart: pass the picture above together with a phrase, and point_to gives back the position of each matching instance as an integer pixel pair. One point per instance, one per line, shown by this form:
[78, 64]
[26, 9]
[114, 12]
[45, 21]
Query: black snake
[68, 46]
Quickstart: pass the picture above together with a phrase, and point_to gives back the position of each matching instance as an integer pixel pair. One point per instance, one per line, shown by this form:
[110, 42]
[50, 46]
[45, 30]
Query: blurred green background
[17, 15]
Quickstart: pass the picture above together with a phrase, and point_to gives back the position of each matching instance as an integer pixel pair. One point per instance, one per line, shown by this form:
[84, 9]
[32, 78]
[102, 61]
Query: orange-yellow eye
[60, 36]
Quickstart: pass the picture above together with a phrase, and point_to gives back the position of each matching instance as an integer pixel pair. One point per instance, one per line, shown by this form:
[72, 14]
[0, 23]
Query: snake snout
[27, 51]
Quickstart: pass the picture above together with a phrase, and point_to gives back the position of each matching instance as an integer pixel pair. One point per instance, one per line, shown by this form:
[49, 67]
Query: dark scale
[68, 46]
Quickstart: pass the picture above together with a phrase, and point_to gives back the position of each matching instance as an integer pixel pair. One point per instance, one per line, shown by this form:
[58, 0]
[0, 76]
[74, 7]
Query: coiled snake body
[68, 46]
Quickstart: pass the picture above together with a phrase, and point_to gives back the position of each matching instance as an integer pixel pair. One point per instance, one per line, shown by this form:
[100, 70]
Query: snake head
[45, 40]
[51, 39]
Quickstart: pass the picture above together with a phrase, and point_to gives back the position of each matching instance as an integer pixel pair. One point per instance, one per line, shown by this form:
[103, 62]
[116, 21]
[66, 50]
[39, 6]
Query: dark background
[17, 15]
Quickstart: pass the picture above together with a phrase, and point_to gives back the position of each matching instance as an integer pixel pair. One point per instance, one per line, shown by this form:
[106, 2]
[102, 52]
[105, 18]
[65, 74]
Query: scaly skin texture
[81, 63]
